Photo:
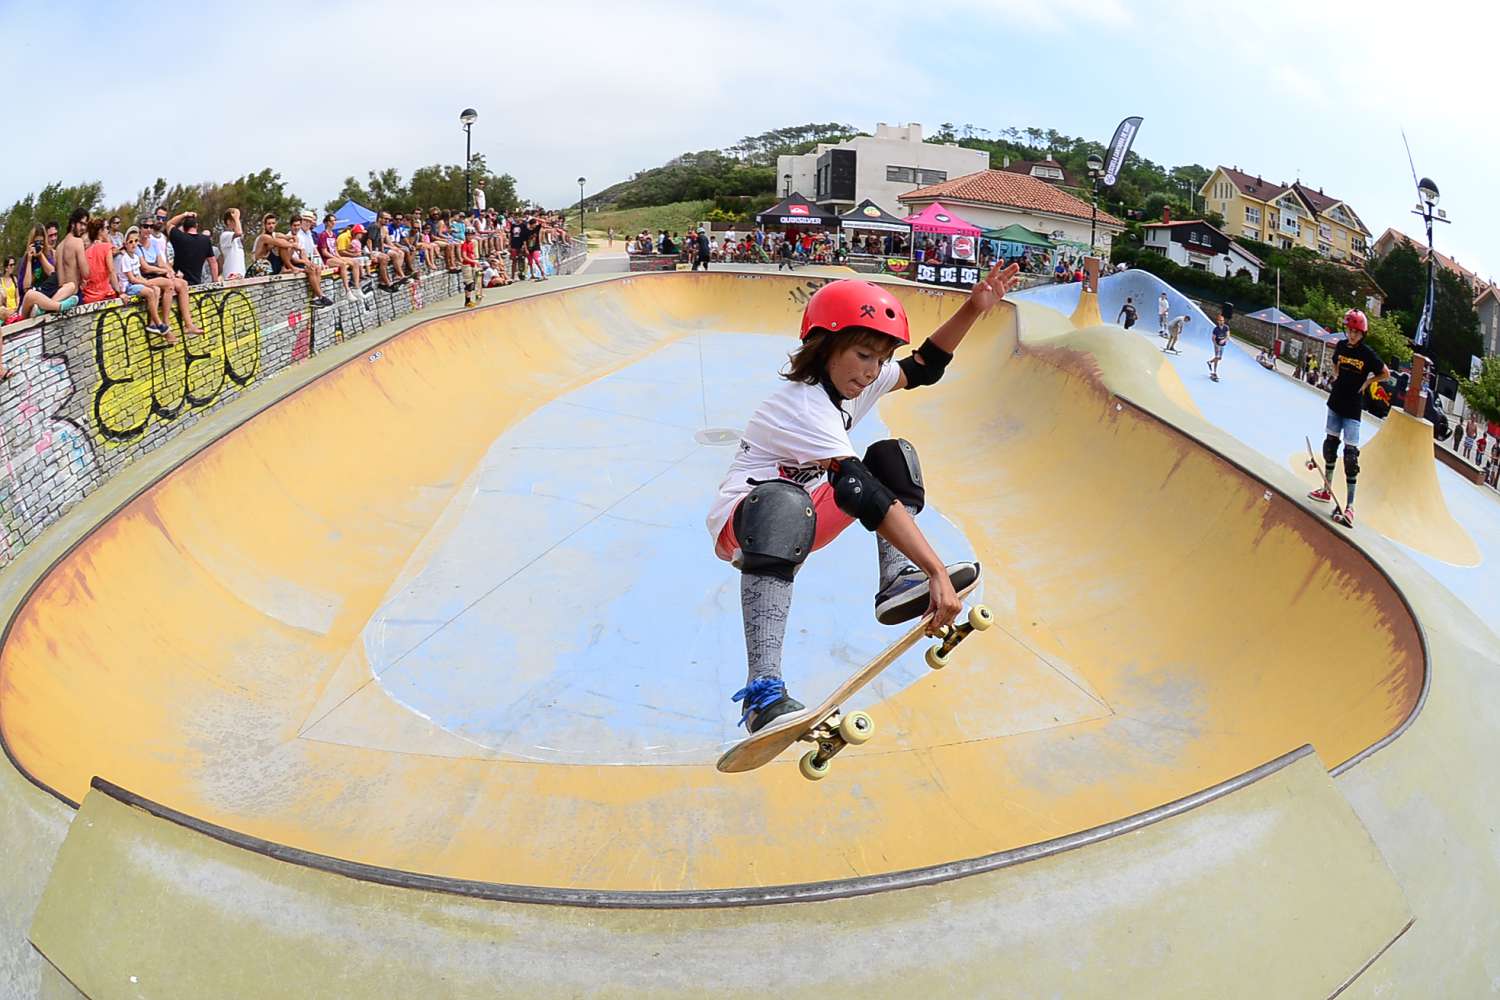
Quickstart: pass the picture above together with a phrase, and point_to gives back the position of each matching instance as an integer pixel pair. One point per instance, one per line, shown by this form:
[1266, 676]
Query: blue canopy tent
[1272, 315]
[347, 215]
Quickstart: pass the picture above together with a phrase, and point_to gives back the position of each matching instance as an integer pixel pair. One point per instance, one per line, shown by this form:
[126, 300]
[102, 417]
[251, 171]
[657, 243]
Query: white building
[881, 167]
[1196, 244]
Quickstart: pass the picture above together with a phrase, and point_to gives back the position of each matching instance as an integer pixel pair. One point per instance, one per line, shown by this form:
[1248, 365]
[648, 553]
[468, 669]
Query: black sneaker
[906, 597]
[322, 301]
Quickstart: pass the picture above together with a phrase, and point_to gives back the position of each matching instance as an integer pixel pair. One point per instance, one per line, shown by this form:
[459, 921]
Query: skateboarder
[774, 506]
[1355, 366]
[1220, 338]
[1161, 315]
[1127, 314]
[1174, 330]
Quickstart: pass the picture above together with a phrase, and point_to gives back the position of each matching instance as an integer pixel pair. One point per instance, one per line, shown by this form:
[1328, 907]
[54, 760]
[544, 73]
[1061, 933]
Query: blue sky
[1311, 90]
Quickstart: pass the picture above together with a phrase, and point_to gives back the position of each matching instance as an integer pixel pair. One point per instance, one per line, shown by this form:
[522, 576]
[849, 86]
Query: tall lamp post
[581, 181]
[1096, 170]
[468, 116]
[1429, 212]
[786, 185]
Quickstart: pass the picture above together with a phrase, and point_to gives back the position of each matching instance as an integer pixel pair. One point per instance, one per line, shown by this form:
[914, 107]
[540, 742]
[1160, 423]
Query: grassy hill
[675, 216]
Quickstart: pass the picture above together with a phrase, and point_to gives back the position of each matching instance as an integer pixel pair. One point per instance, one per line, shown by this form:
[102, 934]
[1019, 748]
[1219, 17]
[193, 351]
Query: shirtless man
[72, 261]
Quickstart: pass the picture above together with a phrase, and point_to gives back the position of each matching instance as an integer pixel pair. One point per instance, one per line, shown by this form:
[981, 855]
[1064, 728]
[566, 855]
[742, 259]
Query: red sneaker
[1321, 495]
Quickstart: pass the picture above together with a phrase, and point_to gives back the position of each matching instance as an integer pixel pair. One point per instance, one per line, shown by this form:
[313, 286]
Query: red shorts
[829, 521]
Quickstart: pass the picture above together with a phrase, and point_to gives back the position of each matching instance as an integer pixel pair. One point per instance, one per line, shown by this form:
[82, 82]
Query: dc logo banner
[948, 275]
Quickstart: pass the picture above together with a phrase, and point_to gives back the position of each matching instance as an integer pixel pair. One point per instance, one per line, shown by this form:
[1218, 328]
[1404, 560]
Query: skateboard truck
[838, 730]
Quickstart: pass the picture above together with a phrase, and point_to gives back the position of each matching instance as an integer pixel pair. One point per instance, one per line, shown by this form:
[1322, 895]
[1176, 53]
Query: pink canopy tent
[937, 219]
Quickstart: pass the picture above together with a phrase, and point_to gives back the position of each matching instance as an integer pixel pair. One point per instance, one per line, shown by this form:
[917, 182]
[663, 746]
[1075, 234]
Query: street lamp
[1095, 164]
[786, 182]
[581, 181]
[468, 116]
[1427, 209]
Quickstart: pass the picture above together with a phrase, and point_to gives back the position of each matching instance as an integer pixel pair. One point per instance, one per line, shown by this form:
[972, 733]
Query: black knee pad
[1351, 461]
[774, 526]
[1330, 449]
[894, 463]
[860, 494]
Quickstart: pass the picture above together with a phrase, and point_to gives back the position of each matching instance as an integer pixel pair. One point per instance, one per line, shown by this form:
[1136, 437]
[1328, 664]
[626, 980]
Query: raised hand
[992, 287]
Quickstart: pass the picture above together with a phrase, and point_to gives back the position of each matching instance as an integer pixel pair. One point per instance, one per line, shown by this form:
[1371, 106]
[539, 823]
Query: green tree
[442, 186]
[54, 203]
[1483, 393]
[1455, 324]
[389, 192]
[352, 190]
[1387, 340]
[1403, 276]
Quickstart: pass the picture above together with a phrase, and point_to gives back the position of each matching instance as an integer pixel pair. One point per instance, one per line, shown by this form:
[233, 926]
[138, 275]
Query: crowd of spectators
[158, 260]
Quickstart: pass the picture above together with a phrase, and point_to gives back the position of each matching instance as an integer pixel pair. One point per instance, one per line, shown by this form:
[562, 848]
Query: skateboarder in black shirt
[1355, 366]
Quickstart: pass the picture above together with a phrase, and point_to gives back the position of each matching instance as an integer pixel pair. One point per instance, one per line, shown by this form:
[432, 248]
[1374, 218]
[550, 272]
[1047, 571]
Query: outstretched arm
[985, 295]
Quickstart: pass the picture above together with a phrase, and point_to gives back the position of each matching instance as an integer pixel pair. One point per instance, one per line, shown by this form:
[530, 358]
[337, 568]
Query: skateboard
[825, 725]
[1312, 463]
[1170, 350]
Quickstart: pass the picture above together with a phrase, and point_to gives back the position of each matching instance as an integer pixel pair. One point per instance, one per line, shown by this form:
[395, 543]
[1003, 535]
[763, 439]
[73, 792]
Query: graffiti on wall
[37, 444]
[142, 378]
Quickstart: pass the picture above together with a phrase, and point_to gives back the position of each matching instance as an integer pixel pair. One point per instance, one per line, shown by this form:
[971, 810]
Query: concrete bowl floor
[452, 609]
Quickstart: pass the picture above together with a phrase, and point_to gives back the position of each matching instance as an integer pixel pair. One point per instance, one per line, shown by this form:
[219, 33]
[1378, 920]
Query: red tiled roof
[1253, 187]
[1010, 190]
[1478, 283]
[1261, 190]
[1024, 167]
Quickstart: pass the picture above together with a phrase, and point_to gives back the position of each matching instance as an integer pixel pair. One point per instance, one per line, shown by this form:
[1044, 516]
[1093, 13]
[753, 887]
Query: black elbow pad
[929, 369]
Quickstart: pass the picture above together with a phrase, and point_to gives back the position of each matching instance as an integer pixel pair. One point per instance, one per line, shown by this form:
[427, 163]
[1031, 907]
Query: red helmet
[1355, 320]
[849, 302]
[359, 230]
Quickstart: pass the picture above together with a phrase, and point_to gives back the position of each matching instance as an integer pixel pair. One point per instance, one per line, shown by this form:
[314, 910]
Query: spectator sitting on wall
[133, 283]
[103, 282]
[347, 267]
[191, 250]
[306, 257]
[389, 261]
[10, 290]
[39, 285]
[271, 252]
[72, 261]
[159, 274]
[232, 247]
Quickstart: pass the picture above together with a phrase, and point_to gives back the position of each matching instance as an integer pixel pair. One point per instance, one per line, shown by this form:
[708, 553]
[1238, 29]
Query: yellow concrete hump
[1087, 312]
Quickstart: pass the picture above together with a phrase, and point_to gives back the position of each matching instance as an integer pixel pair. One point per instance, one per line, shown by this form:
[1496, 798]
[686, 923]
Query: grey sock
[1349, 500]
[892, 562]
[765, 601]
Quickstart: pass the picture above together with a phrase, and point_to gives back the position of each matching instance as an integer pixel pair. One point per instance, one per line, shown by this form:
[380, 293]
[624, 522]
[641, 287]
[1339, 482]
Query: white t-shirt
[1161, 308]
[232, 250]
[129, 268]
[479, 198]
[308, 244]
[788, 434]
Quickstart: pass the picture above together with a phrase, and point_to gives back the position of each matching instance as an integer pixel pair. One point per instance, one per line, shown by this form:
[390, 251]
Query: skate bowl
[445, 623]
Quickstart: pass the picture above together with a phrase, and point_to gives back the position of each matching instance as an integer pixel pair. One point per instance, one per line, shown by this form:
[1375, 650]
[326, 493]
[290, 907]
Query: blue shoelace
[760, 694]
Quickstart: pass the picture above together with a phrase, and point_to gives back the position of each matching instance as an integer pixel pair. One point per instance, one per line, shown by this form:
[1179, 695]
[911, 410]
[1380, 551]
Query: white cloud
[601, 89]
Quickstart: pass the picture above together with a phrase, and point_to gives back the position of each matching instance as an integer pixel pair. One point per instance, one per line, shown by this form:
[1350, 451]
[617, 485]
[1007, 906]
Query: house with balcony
[1196, 244]
[1286, 215]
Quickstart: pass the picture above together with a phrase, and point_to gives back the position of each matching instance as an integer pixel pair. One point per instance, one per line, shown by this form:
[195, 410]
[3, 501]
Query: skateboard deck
[825, 725]
[1312, 463]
